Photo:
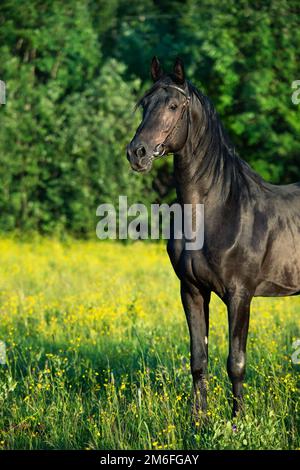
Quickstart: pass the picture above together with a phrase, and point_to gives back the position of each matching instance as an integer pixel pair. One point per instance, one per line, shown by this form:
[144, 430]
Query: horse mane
[165, 80]
[221, 163]
[149, 92]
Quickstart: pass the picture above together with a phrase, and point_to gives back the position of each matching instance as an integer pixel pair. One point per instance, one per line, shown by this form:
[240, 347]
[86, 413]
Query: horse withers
[251, 228]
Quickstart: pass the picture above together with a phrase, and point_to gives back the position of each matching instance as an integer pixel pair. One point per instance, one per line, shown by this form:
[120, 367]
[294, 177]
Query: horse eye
[173, 106]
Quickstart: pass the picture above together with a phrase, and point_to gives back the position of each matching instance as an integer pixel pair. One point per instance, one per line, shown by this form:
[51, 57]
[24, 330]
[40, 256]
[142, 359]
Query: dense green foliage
[74, 70]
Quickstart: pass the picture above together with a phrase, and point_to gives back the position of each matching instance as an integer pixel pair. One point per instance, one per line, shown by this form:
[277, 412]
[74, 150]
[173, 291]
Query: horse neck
[207, 169]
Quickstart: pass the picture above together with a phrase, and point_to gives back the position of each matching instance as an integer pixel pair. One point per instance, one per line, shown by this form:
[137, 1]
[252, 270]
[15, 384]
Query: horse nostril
[140, 151]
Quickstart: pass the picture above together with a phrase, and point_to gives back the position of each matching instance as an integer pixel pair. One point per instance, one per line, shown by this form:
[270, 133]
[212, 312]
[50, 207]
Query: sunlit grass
[98, 355]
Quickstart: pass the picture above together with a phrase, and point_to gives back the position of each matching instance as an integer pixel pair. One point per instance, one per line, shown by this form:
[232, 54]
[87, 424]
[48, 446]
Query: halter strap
[181, 90]
[183, 109]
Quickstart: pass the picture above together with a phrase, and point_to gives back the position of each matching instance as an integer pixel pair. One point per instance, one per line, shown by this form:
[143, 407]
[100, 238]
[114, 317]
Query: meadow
[98, 355]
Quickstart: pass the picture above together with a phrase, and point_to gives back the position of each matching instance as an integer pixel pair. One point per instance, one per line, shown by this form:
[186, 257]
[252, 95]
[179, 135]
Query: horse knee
[236, 367]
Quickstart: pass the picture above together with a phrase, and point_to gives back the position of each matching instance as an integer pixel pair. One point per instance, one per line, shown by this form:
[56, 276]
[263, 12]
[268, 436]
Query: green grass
[98, 355]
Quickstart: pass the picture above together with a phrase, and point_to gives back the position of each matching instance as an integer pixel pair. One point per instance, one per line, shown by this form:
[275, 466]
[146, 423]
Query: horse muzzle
[139, 159]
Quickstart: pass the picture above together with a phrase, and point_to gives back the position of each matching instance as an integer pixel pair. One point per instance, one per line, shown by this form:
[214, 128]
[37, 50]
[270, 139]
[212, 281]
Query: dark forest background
[74, 70]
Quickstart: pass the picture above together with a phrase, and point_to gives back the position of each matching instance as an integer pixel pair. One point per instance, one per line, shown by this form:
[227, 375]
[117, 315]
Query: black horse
[252, 228]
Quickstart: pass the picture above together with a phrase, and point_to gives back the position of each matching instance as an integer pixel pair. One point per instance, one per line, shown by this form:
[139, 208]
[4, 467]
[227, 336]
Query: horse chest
[192, 266]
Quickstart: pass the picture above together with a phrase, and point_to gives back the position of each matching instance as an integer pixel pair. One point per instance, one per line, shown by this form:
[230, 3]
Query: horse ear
[156, 70]
[179, 70]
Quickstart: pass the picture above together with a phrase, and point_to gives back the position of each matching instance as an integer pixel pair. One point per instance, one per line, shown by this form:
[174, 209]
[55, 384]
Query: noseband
[176, 125]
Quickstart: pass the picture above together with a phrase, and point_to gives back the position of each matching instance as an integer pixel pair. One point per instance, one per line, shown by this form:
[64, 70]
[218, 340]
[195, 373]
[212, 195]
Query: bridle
[176, 126]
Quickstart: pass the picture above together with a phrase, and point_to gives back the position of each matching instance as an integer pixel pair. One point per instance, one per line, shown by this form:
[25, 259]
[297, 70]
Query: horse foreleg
[196, 306]
[238, 317]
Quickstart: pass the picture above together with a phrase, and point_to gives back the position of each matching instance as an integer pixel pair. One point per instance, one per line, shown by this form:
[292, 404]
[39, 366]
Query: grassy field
[98, 355]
